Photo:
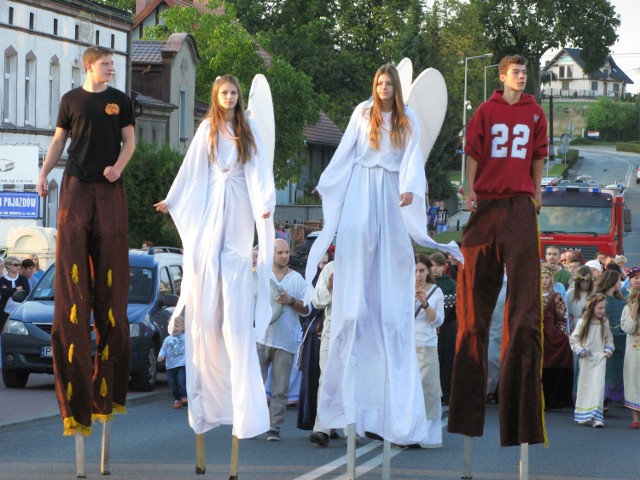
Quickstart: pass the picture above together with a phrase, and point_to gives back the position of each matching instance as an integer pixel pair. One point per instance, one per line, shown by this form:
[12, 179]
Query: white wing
[260, 109]
[405, 70]
[428, 99]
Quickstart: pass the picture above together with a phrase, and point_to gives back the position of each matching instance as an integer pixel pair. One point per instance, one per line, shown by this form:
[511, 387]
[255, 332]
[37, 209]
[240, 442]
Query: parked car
[154, 286]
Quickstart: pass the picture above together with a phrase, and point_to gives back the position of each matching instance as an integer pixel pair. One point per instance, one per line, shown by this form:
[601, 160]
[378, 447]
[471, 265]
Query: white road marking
[360, 470]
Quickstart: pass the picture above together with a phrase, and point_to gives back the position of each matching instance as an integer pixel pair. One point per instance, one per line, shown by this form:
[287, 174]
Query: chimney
[141, 4]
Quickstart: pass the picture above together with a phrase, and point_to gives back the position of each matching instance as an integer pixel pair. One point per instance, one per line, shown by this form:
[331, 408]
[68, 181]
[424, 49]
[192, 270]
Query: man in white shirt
[280, 342]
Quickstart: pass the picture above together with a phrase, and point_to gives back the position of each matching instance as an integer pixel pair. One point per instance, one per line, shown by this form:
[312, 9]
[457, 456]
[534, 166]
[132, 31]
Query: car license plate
[45, 351]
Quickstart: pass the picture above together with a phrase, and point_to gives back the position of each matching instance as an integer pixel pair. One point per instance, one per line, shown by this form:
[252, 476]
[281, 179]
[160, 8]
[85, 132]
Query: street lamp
[485, 78]
[466, 105]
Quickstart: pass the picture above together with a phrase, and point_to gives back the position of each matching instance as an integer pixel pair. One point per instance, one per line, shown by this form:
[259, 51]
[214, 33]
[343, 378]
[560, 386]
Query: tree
[225, 46]
[614, 120]
[531, 28]
[126, 5]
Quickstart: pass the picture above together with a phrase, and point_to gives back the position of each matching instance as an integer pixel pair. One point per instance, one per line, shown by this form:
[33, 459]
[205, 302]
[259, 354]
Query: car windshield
[564, 219]
[44, 289]
[140, 285]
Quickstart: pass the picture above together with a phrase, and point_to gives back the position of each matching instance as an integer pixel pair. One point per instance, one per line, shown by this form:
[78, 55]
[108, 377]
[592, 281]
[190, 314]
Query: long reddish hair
[399, 122]
[217, 116]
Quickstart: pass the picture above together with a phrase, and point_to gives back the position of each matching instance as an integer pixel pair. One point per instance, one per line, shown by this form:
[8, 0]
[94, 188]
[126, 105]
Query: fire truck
[587, 218]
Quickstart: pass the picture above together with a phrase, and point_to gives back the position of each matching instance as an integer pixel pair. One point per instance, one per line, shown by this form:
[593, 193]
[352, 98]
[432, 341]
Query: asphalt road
[153, 441]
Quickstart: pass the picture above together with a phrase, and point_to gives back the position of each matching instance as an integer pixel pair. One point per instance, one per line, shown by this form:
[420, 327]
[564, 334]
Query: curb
[139, 399]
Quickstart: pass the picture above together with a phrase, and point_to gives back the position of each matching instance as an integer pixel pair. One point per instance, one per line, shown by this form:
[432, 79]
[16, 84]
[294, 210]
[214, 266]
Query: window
[10, 86]
[54, 91]
[113, 41]
[616, 88]
[75, 76]
[76, 32]
[183, 113]
[10, 15]
[97, 37]
[569, 71]
[30, 90]
[176, 276]
[594, 86]
[165, 282]
[565, 85]
[561, 74]
[55, 26]
[32, 20]
[154, 136]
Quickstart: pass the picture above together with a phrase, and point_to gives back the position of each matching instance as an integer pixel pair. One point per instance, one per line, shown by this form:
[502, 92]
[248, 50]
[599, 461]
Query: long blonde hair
[217, 116]
[400, 125]
[589, 306]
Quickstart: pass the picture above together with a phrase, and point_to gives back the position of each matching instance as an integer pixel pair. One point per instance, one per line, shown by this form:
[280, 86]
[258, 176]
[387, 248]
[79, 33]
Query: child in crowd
[629, 324]
[557, 371]
[429, 316]
[592, 341]
[173, 351]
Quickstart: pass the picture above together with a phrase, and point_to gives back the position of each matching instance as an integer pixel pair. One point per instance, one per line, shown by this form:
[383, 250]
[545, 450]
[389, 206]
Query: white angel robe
[372, 377]
[214, 206]
[593, 367]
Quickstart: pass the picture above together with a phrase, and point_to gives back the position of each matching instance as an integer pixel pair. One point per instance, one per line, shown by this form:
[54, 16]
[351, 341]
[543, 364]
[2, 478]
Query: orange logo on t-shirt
[112, 109]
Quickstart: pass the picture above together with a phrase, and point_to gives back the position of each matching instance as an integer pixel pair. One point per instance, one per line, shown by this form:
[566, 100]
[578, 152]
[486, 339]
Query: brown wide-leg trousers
[92, 274]
[502, 234]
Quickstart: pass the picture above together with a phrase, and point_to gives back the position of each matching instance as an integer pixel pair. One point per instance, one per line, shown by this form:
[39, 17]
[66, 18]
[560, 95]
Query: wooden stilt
[105, 468]
[524, 461]
[386, 460]
[200, 466]
[351, 451]
[80, 465]
[466, 467]
[235, 448]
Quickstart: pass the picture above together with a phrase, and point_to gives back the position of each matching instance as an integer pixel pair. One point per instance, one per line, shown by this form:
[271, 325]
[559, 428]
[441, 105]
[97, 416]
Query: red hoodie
[504, 139]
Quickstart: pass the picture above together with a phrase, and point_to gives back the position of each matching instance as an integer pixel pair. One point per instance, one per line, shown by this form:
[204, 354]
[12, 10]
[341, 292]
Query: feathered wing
[405, 70]
[259, 176]
[428, 99]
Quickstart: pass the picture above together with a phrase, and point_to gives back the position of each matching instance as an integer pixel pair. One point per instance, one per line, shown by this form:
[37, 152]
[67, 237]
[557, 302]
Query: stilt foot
[200, 464]
[80, 465]
[105, 466]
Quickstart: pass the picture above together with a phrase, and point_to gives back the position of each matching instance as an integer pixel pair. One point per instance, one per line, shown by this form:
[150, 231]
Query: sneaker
[373, 436]
[185, 401]
[597, 423]
[177, 404]
[634, 425]
[320, 438]
[273, 436]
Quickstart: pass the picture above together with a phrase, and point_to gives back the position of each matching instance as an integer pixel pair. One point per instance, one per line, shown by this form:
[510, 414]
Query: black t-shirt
[94, 121]
[442, 215]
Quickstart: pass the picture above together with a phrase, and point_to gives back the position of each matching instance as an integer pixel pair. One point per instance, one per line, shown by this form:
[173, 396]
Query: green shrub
[147, 178]
[628, 147]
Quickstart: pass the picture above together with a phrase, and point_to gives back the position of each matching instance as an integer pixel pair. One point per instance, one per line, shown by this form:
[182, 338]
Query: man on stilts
[92, 263]
[506, 146]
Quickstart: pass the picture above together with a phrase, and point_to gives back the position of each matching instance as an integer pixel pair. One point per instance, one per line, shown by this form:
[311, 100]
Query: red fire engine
[584, 217]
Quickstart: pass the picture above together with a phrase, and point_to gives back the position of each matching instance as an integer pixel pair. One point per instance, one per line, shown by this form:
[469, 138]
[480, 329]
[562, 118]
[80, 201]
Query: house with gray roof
[570, 79]
[163, 86]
